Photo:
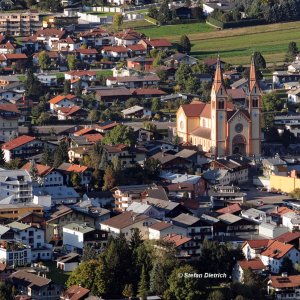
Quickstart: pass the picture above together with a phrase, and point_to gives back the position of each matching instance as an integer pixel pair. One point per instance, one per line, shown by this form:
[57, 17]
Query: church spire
[218, 81]
[252, 76]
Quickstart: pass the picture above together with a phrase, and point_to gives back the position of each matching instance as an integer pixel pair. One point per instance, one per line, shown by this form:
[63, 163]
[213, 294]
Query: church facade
[220, 127]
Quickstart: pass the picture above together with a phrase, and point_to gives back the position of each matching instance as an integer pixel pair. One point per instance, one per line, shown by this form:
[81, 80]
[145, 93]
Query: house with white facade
[14, 253]
[68, 262]
[162, 229]
[126, 222]
[291, 220]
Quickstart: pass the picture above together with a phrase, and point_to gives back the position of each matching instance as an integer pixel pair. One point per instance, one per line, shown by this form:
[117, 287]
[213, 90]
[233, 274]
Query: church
[221, 127]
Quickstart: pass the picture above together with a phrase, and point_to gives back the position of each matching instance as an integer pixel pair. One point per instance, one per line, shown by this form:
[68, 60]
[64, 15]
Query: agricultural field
[234, 45]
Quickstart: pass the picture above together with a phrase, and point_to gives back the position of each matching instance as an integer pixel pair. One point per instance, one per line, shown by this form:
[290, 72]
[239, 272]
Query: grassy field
[104, 73]
[173, 31]
[101, 14]
[234, 45]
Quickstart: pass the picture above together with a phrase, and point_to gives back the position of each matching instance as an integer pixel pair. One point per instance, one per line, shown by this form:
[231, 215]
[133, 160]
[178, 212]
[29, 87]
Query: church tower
[254, 101]
[218, 113]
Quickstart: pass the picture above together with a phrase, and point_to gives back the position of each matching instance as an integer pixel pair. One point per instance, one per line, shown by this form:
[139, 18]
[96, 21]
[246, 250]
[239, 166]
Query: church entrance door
[239, 145]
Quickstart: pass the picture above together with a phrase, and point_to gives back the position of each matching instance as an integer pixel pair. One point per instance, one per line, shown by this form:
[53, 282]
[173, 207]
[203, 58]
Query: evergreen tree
[61, 154]
[67, 87]
[47, 156]
[164, 13]
[44, 60]
[184, 45]
[33, 88]
[71, 61]
[75, 179]
[182, 74]
[291, 52]
[143, 286]
[259, 60]
[128, 291]
[2, 160]
[109, 179]
[117, 21]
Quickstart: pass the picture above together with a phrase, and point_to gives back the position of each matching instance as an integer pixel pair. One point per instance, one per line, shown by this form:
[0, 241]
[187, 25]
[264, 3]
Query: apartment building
[20, 24]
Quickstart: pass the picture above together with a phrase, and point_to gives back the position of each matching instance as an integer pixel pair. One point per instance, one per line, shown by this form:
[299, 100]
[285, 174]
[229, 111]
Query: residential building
[75, 292]
[20, 24]
[291, 220]
[21, 147]
[47, 79]
[62, 101]
[97, 37]
[274, 166]
[84, 173]
[68, 262]
[255, 265]
[115, 53]
[134, 82]
[50, 36]
[36, 287]
[284, 287]
[15, 187]
[274, 254]
[9, 119]
[253, 248]
[160, 230]
[77, 235]
[185, 247]
[136, 111]
[14, 253]
[126, 222]
[15, 211]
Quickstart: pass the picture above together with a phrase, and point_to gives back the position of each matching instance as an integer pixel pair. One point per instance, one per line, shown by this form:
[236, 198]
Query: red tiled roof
[277, 250]
[206, 112]
[17, 142]
[150, 91]
[76, 168]
[288, 237]
[280, 282]
[177, 239]
[9, 107]
[160, 226]
[159, 43]
[258, 244]
[117, 49]
[59, 98]
[128, 34]
[108, 126]
[87, 51]
[50, 32]
[95, 137]
[76, 292]
[136, 47]
[41, 169]
[230, 209]
[4, 57]
[68, 111]
[83, 131]
[281, 210]
[193, 109]
[253, 264]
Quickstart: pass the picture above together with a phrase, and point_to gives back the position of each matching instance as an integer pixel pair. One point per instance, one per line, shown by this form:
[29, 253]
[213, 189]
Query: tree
[89, 253]
[117, 21]
[61, 154]
[71, 61]
[259, 60]
[51, 5]
[2, 159]
[184, 45]
[272, 102]
[128, 291]
[291, 52]
[43, 118]
[120, 134]
[47, 157]
[109, 179]
[164, 13]
[156, 104]
[192, 85]
[33, 88]
[44, 60]
[152, 168]
[287, 266]
[152, 12]
[33, 171]
[93, 116]
[143, 286]
[181, 287]
[182, 74]
[67, 87]
[14, 164]
[162, 74]
[216, 295]
[75, 179]
[7, 291]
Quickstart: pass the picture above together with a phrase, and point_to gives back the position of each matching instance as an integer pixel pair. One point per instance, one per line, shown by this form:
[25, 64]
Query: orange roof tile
[277, 250]
[77, 168]
[193, 109]
[253, 264]
[76, 292]
[9, 107]
[288, 237]
[177, 239]
[92, 138]
[17, 142]
[258, 244]
[83, 131]
[59, 98]
[285, 282]
[41, 169]
[230, 209]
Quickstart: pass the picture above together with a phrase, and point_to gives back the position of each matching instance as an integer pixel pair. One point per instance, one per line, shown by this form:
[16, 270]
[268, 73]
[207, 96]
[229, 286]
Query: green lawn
[101, 14]
[171, 31]
[235, 46]
[138, 24]
[104, 73]
[58, 276]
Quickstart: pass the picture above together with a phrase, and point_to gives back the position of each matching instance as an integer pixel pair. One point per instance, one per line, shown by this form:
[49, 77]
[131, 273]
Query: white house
[47, 79]
[136, 111]
[61, 101]
[126, 222]
[162, 229]
[270, 230]
[294, 95]
[115, 52]
[291, 220]
[255, 265]
[68, 262]
[253, 248]
[15, 254]
[274, 254]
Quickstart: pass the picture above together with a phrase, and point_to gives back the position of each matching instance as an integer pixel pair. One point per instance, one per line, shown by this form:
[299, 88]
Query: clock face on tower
[239, 128]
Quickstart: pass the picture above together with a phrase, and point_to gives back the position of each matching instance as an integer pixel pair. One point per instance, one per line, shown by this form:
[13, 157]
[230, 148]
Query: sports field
[234, 45]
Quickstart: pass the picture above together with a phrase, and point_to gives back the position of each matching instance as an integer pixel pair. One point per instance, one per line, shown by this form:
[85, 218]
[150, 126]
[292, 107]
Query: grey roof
[186, 219]
[239, 83]
[273, 161]
[138, 207]
[14, 175]
[79, 227]
[186, 153]
[132, 110]
[57, 192]
[178, 178]
[216, 174]
[132, 188]
[162, 204]
[3, 229]
[229, 218]
[18, 226]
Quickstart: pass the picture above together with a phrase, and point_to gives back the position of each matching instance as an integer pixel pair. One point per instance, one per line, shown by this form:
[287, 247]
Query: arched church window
[221, 104]
[255, 103]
